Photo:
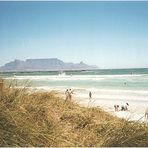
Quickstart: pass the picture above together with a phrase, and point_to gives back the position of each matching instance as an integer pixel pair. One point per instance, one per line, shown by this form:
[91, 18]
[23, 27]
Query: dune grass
[45, 119]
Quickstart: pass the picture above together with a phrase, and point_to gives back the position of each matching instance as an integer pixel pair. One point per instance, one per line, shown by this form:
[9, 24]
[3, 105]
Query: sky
[106, 34]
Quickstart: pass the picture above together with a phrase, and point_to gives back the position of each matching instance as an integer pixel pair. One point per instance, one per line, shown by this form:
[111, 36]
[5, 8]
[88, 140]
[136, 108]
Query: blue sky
[107, 34]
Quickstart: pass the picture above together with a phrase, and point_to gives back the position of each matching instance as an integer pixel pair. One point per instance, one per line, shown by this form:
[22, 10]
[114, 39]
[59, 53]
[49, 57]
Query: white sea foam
[71, 77]
[54, 78]
[98, 90]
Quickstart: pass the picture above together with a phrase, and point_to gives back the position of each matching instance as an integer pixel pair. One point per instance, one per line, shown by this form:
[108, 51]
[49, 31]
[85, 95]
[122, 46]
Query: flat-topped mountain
[52, 64]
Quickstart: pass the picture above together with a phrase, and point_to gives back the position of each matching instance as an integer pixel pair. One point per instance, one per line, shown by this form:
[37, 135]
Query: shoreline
[136, 110]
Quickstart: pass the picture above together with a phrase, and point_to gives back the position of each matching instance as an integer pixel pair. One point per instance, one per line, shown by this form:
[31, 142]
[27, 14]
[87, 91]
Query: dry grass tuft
[45, 119]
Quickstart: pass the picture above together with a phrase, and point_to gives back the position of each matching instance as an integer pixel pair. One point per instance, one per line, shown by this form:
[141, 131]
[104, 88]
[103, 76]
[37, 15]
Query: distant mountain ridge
[51, 64]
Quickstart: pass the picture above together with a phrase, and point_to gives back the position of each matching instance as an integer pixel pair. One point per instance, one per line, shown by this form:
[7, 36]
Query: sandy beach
[136, 109]
[106, 99]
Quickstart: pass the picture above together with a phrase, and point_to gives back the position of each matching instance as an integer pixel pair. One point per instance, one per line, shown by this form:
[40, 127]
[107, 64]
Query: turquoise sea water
[86, 72]
[114, 79]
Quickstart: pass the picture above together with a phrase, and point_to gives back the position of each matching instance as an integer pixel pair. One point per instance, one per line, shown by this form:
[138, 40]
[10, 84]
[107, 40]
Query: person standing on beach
[90, 95]
[116, 108]
[70, 94]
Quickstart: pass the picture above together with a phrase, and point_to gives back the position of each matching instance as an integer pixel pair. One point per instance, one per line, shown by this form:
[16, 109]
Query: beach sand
[136, 109]
[135, 112]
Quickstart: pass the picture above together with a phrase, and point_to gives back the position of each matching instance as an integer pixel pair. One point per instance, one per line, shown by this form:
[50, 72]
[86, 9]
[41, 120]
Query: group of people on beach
[123, 107]
[68, 94]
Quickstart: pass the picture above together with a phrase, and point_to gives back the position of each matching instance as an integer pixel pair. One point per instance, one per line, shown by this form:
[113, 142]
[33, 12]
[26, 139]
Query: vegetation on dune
[45, 119]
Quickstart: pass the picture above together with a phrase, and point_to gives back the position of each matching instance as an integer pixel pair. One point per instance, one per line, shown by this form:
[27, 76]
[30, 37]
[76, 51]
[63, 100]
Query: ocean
[107, 79]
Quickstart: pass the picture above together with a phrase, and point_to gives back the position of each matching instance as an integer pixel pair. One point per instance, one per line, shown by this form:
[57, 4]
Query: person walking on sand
[70, 94]
[90, 95]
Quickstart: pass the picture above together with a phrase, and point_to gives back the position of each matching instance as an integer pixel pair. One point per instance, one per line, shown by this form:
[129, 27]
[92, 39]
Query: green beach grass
[45, 119]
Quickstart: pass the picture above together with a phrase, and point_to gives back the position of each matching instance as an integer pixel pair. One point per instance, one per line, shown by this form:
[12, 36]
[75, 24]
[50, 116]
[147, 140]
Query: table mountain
[51, 64]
